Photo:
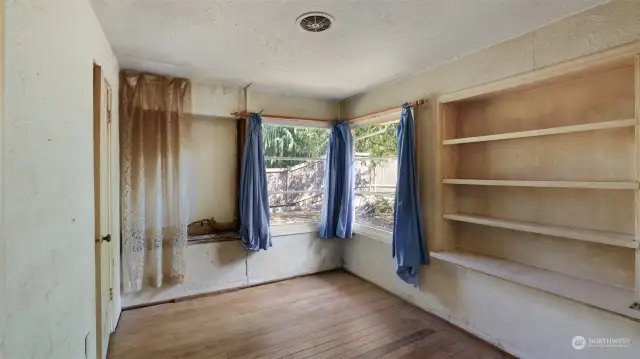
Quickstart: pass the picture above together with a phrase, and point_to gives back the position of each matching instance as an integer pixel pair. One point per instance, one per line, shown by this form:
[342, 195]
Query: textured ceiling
[238, 42]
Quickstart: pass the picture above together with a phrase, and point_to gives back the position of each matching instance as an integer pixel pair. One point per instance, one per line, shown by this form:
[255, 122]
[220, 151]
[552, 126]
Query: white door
[102, 194]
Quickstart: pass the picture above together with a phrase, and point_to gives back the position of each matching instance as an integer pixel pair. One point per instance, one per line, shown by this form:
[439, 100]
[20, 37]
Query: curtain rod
[245, 114]
[386, 111]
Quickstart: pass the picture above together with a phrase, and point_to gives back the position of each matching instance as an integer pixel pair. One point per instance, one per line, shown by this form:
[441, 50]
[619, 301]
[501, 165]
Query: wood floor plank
[432, 339]
[254, 305]
[340, 347]
[334, 326]
[280, 339]
[327, 333]
[253, 324]
[211, 341]
[251, 301]
[430, 348]
[451, 350]
[327, 316]
[391, 344]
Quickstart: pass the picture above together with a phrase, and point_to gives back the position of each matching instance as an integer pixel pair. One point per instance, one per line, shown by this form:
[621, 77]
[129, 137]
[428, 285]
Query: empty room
[319, 179]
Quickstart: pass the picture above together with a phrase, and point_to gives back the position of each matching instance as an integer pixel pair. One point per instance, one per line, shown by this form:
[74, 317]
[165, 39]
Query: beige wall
[213, 151]
[286, 105]
[213, 100]
[524, 321]
[213, 267]
[48, 174]
[213, 168]
[213, 146]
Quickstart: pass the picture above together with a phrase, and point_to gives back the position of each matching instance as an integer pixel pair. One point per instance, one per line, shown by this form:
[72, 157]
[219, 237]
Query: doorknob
[107, 238]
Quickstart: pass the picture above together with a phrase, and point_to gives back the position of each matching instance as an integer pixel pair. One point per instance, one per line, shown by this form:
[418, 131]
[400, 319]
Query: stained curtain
[154, 132]
[409, 247]
[338, 209]
[254, 198]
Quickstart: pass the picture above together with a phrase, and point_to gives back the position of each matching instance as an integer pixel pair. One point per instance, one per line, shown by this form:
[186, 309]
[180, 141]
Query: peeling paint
[220, 266]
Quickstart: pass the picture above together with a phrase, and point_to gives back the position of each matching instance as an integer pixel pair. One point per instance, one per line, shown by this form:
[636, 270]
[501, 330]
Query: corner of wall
[343, 108]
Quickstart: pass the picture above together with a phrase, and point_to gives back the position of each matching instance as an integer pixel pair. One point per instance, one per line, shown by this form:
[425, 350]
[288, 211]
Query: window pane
[295, 207]
[288, 141]
[375, 210]
[305, 176]
[295, 185]
[376, 178]
[377, 175]
[376, 140]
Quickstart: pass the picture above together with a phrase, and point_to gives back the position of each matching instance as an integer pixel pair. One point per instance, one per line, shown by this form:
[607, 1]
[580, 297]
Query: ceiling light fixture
[315, 21]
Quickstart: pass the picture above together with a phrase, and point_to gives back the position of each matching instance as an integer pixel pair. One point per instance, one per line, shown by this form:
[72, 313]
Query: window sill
[277, 230]
[280, 230]
[213, 238]
[374, 233]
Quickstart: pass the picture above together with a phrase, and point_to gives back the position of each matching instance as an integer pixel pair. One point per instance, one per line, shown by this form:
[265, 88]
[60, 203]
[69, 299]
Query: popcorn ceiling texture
[259, 42]
[526, 322]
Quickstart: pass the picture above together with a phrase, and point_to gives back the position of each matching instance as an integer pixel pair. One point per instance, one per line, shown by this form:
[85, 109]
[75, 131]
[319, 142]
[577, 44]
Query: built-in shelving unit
[539, 180]
[589, 235]
[612, 299]
[546, 131]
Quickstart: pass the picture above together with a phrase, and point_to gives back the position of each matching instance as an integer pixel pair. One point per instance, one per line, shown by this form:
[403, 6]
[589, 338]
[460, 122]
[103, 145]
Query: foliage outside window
[376, 149]
[295, 158]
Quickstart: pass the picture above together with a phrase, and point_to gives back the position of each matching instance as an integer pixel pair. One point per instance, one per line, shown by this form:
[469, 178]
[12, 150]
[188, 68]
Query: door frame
[102, 181]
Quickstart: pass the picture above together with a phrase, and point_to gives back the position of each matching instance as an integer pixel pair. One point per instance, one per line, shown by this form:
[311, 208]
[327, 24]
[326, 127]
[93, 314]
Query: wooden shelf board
[612, 299]
[588, 235]
[549, 184]
[545, 132]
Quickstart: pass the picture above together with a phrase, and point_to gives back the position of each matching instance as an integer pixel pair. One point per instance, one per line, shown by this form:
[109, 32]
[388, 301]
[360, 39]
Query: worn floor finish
[331, 315]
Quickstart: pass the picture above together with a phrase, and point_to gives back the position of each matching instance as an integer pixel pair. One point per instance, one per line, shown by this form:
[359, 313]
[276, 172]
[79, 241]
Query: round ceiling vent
[315, 21]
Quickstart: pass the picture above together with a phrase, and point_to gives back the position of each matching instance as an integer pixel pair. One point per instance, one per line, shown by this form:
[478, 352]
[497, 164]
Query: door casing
[104, 256]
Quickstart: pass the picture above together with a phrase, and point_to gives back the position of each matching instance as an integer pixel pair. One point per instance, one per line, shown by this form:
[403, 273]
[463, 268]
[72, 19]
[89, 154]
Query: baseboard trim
[226, 290]
[460, 325]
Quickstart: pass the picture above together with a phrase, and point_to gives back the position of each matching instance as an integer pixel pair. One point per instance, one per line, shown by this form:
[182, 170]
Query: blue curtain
[254, 198]
[338, 209]
[408, 239]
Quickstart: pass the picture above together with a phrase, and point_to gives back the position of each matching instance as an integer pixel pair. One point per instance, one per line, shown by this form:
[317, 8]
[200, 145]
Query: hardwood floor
[330, 315]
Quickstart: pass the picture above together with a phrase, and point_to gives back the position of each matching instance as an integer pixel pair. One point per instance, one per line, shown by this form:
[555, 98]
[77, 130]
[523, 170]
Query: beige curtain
[154, 132]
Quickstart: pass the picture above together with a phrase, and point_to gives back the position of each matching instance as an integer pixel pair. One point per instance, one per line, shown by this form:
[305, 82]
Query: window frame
[361, 228]
[286, 229]
[309, 227]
